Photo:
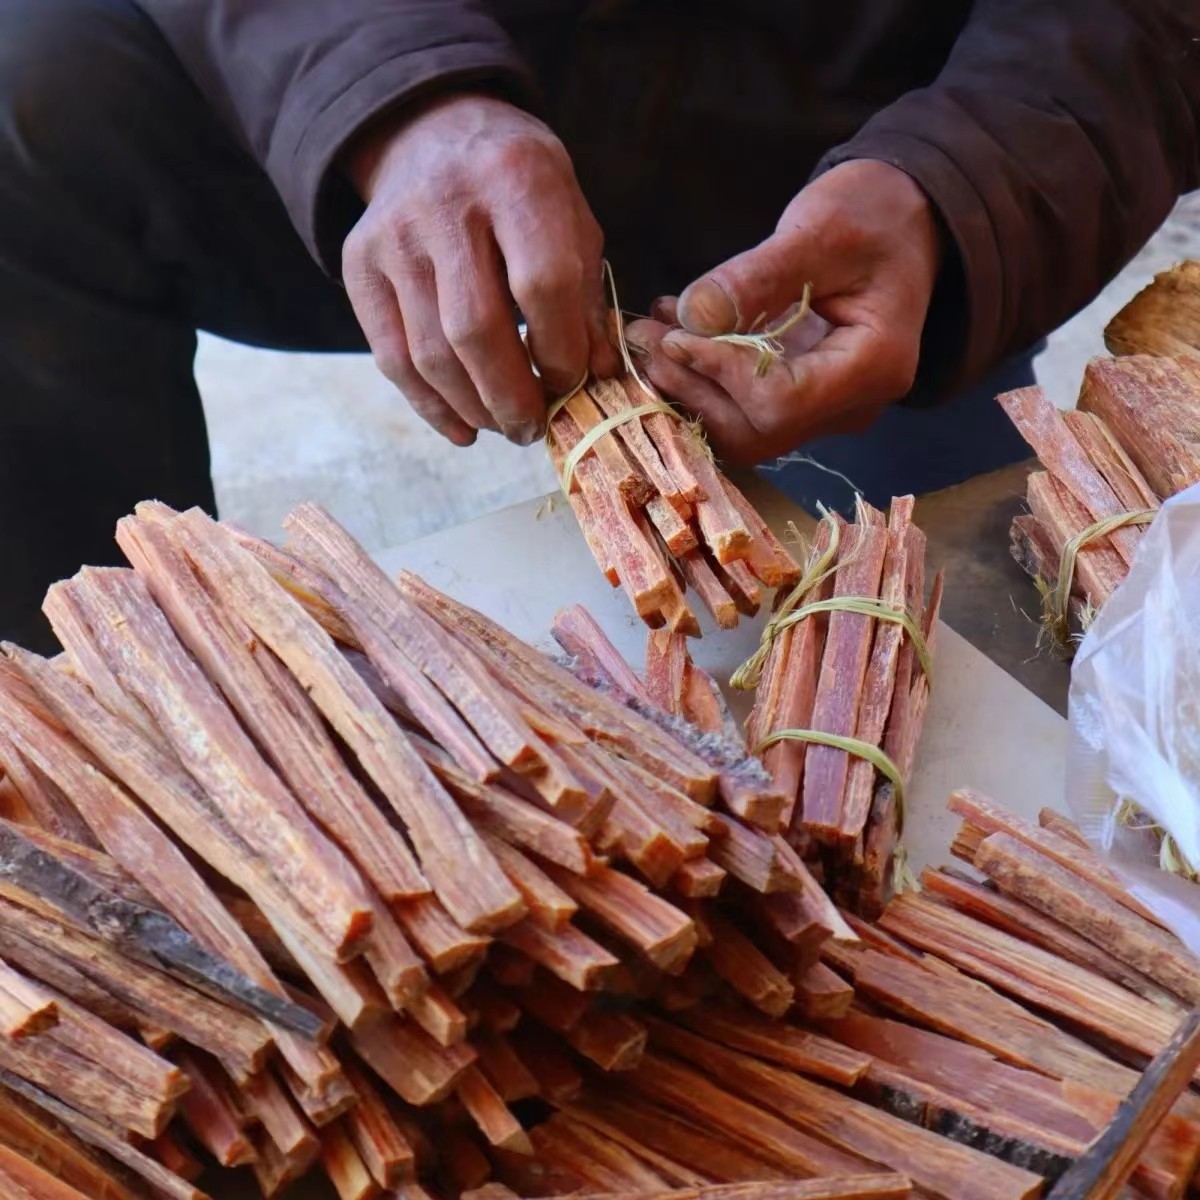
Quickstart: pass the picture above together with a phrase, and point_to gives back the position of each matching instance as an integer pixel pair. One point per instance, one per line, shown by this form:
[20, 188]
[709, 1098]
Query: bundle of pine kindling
[323, 877]
[658, 514]
[843, 679]
[1130, 444]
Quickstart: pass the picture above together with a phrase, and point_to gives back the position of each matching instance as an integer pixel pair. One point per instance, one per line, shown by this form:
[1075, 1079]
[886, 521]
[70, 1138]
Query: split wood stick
[820, 993]
[466, 878]
[271, 704]
[490, 1008]
[557, 1005]
[674, 613]
[1060, 823]
[38, 1137]
[967, 840]
[666, 661]
[1101, 1173]
[778, 1042]
[622, 469]
[509, 967]
[1161, 319]
[839, 686]
[676, 534]
[436, 1013]
[725, 529]
[673, 1172]
[272, 1171]
[772, 563]
[381, 1143]
[465, 681]
[40, 798]
[738, 580]
[579, 634]
[558, 1079]
[972, 1012]
[1043, 427]
[1033, 975]
[701, 702]
[411, 1062]
[1084, 862]
[669, 1082]
[1108, 456]
[569, 954]
[1019, 920]
[264, 1099]
[1035, 552]
[738, 961]
[633, 913]
[699, 879]
[575, 1157]
[654, 1135]
[101, 1136]
[1099, 569]
[344, 1166]
[594, 713]
[462, 1163]
[642, 574]
[1047, 886]
[879, 684]
[26, 1009]
[504, 1068]
[489, 1112]
[12, 803]
[211, 1112]
[319, 1105]
[942, 1168]
[704, 581]
[610, 396]
[134, 635]
[872, 936]
[849, 1187]
[614, 1041]
[147, 853]
[589, 526]
[676, 442]
[751, 857]
[21, 1179]
[1149, 403]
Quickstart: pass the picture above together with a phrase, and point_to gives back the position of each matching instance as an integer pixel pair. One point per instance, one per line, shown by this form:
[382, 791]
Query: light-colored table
[984, 729]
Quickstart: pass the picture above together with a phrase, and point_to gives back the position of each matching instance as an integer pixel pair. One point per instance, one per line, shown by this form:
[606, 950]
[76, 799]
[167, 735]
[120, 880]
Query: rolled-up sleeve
[1052, 145]
[297, 79]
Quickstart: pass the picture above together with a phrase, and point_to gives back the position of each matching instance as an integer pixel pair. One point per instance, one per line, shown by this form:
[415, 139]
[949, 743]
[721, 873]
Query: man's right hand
[473, 204]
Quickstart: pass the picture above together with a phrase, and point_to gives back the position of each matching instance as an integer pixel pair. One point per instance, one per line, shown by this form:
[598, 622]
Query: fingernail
[708, 309]
[524, 433]
[676, 352]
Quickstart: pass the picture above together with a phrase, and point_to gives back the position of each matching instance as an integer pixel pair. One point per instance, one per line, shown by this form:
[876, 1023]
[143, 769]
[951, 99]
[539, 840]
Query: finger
[375, 305]
[435, 360]
[761, 282]
[475, 312]
[666, 310]
[644, 335]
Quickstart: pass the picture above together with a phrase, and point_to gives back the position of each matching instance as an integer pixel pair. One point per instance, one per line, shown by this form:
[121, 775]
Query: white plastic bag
[1135, 716]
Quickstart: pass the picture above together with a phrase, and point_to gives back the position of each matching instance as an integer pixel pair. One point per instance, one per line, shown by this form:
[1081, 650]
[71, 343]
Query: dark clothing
[164, 164]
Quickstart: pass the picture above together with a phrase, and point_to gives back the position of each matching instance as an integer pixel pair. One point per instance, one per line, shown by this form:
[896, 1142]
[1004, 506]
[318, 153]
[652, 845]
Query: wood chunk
[839, 686]
[820, 993]
[778, 1042]
[480, 897]
[943, 1168]
[1162, 319]
[1102, 1172]
[1049, 887]
[489, 1112]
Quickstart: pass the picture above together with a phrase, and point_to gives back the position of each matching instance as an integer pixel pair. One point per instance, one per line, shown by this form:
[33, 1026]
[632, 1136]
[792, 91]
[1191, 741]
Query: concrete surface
[291, 427]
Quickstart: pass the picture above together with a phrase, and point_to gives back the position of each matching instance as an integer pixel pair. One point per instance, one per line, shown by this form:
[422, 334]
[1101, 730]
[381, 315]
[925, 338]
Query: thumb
[760, 282]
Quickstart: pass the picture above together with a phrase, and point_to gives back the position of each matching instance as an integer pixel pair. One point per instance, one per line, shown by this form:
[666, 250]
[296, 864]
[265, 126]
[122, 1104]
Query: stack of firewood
[844, 669]
[323, 876]
[658, 514]
[1132, 442]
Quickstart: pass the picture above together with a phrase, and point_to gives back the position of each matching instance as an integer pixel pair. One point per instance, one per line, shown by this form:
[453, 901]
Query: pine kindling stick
[489, 1112]
[26, 1009]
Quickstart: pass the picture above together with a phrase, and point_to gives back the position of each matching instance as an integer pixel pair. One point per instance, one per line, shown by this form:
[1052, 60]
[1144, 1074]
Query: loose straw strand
[767, 343]
[1056, 599]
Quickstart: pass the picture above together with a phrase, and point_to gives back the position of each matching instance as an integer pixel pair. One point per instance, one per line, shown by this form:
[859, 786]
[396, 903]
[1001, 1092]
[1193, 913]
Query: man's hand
[473, 204]
[864, 235]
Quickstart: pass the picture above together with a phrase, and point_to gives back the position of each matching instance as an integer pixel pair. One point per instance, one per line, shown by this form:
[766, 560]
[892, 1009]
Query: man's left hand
[864, 236]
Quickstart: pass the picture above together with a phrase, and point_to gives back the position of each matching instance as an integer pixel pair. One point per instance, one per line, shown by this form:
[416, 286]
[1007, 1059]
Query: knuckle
[548, 283]
[472, 328]
[430, 357]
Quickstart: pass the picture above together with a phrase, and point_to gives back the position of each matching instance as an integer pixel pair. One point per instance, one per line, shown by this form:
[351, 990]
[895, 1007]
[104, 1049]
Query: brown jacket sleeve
[1053, 144]
[296, 79]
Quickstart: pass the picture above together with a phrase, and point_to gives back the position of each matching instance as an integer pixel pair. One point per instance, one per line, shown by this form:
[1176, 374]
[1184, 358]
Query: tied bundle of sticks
[1132, 443]
[843, 679]
[299, 866]
[658, 514]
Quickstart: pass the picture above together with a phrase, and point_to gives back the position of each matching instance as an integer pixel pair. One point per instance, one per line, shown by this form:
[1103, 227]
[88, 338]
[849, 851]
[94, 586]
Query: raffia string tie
[767, 342]
[655, 404]
[851, 745]
[1056, 600]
